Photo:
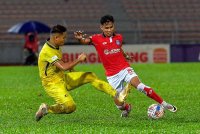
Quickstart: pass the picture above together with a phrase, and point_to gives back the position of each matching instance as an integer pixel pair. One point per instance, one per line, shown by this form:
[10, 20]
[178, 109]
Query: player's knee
[69, 107]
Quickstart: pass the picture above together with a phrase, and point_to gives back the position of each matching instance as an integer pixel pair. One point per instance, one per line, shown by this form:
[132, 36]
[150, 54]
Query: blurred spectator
[31, 49]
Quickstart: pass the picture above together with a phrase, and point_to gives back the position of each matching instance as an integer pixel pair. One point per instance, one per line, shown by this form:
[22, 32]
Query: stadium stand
[74, 14]
[168, 21]
[140, 21]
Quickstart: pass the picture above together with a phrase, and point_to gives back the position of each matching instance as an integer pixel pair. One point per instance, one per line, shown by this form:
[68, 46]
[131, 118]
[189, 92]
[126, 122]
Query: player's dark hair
[106, 18]
[58, 29]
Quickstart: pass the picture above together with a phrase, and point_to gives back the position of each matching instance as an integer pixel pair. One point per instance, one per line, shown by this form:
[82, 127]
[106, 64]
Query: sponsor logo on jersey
[112, 51]
[104, 43]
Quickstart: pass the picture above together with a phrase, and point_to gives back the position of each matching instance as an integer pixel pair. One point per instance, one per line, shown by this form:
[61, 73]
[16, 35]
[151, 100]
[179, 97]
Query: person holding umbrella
[30, 29]
[31, 49]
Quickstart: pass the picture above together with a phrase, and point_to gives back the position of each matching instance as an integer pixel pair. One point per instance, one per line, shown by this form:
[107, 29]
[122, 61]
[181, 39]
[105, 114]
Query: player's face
[60, 39]
[108, 29]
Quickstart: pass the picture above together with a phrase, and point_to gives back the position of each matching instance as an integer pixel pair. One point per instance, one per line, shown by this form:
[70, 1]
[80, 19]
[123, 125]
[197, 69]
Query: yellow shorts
[59, 91]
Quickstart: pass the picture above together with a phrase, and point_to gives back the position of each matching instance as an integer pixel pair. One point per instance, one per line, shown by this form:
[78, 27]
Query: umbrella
[29, 26]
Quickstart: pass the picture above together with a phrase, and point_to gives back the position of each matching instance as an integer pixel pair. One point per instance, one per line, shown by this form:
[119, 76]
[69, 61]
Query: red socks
[150, 93]
[125, 106]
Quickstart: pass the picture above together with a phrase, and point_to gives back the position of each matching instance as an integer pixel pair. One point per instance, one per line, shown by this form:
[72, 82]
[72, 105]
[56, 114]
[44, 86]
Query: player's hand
[78, 34]
[128, 57]
[82, 57]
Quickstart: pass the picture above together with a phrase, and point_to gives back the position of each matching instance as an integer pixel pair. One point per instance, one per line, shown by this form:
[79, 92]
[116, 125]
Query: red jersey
[110, 52]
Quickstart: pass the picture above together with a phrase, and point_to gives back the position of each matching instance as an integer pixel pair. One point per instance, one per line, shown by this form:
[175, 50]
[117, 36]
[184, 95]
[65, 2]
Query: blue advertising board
[185, 53]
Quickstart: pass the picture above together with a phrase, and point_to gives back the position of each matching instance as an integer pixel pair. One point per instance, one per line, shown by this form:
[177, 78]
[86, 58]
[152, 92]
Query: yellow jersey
[49, 55]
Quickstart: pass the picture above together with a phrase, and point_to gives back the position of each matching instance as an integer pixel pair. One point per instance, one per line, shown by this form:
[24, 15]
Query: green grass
[21, 94]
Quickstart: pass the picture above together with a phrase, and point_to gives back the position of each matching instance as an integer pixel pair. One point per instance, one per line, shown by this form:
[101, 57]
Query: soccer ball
[155, 111]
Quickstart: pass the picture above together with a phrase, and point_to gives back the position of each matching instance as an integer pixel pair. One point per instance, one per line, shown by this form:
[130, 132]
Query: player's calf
[69, 107]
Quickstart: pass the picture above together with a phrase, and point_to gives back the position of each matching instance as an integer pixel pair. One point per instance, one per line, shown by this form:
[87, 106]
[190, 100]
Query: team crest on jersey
[117, 42]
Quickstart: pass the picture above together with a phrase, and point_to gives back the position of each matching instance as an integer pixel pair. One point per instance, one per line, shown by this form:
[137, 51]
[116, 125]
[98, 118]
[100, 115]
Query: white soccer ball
[155, 111]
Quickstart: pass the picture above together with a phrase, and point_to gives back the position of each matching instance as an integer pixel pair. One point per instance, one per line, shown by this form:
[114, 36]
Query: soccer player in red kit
[108, 45]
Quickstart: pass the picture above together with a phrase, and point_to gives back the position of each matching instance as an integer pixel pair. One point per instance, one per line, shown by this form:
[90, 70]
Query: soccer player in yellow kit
[57, 83]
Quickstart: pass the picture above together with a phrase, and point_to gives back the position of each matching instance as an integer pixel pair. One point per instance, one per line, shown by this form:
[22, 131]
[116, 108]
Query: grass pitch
[21, 94]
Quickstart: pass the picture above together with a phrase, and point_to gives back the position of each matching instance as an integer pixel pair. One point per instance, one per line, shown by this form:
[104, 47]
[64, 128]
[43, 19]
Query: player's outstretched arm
[126, 55]
[82, 37]
[69, 65]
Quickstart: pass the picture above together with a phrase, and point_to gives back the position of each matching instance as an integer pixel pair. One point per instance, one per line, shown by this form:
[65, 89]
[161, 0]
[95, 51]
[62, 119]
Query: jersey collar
[50, 45]
[105, 36]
